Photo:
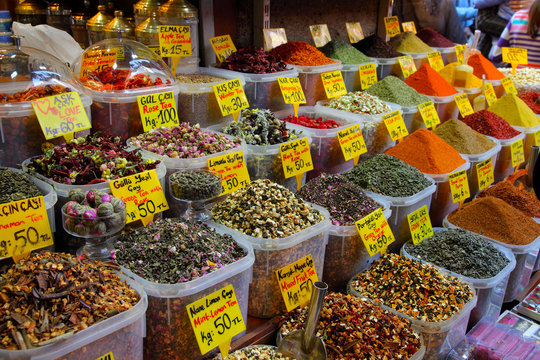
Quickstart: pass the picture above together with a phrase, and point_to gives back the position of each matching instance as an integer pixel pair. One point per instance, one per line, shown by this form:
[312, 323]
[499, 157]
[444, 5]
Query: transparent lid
[116, 65]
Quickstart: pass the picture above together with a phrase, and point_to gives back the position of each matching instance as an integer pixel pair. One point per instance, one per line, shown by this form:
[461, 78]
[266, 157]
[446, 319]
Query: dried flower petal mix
[359, 103]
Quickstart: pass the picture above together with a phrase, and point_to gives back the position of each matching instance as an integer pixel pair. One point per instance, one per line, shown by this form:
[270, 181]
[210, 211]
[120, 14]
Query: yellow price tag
[296, 281]
[233, 170]
[409, 26]
[216, 319]
[460, 52]
[516, 56]
[489, 93]
[375, 232]
[508, 86]
[97, 60]
[274, 37]
[517, 153]
[107, 356]
[156, 49]
[420, 225]
[352, 142]
[223, 46]
[407, 65]
[157, 110]
[355, 32]
[459, 186]
[463, 104]
[368, 75]
[174, 40]
[142, 194]
[291, 89]
[391, 25]
[395, 125]
[231, 97]
[296, 158]
[333, 83]
[61, 115]
[484, 173]
[537, 138]
[429, 114]
[320, 34]
[435, 60]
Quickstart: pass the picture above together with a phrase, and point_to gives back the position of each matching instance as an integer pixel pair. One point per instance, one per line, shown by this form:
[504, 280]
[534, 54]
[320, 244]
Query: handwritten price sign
[435, 60]
[61, 115]
[409, 26]
[142, 194]
[274, 37]
[459, 186]
[484, 173]
[375, 232]
[517, 153]
[333, 83]
[463, 104]
[489, 93]
[368, 75]
[296, 281]
[223, 46]
[395, 125]
[291, 89]
[296, 157]
[420, 225]
[174, 41]
[231, 97]
[107, 356]
[97, 60]
[216, 319]
[351, 142]
[460, 53]
[157, 110]
[355, 32]
[320, 34]
[233, 170]
[25, 227]
[537, 138]
[515, 56]
[391, 24]
[429, 114]
[407, 65]
[508, 86]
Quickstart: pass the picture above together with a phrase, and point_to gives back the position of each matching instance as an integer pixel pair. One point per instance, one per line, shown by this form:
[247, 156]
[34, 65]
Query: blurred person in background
[467, 15]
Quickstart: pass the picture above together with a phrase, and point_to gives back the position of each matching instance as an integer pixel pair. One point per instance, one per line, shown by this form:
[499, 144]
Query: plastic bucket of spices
[401, 207]
[448, 54]
[197, 103]
[490, 291]
[472, 93]
[325, 149]
[497, 86]
[446, 107]
[351, 76]
[412, 118]
[122, 335]
[504, 167]
[529, 139]
[310, 79]
[272, 254]
[525, 261]
[474, 159]
[388, 66]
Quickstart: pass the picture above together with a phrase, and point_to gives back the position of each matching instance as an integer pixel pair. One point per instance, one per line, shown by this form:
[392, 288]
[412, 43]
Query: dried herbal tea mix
[461, 252]
[353, 328]
[359, 103]
[195, 185]
[256, 352]
[16, 186]
[50, 296]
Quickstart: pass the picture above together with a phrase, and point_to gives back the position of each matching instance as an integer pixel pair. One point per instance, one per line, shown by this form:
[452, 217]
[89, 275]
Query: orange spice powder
[300, 53]
[483, 66]
[429, 82]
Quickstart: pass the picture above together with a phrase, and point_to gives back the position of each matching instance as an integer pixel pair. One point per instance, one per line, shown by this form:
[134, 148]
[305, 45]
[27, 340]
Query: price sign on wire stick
[97, 60]
[459, 186]
[463, 104]
[429, 114]
[460, 53]
[395, 125]
[368, 75]
[292, 92]
[25, 227]
[489, 93]
[174, 42]
[407, 65]
[231, 97]
[355, 32]
[296, 159]
[352, 143]
[409, 26]
[274, 37]
[508, 86]
[142, 194]
[391, 25]
[435, 60]
[517, 153]
[420, 225]
[233, 170]
[484, 174]
[216, 319]
[107, 356]
[320, 34]
[333, 83]
[515, 57]
[537, 138]
[296, 282]
[223, 46]
[375, 232]
[157, 110]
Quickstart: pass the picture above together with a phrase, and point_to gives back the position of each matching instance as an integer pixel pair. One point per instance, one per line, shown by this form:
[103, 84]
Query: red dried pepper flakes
[116, 79]
[35, 92]
[532, 99]
[313, 123]
[488, 123]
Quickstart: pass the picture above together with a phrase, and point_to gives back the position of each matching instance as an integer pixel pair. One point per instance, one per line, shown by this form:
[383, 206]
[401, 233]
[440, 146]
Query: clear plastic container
[373, 127]
[388, 66]
[439, 337]
[265, 299]
[472, 93]
[197, 102]
[497, 86]
[474, 159]
[122, 335]
[504, 166]
[346, 255]
[23, 68]
[117, 111]
[446, 107]
[351, 76]
[529, 139]
[525, 261]
[401, 207]
[521, 350]
[310, 79]
[169, 334]
[262, 90]
[448, 54]
[490, 291]
[325, 149]
[412, 118]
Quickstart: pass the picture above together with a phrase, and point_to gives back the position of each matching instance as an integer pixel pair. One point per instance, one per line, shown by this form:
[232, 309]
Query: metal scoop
[303, 344]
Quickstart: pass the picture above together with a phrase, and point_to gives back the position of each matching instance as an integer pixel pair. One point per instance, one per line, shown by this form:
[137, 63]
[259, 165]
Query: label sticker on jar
[97, 60]
[459, 186]
[489, 93]
[25, 227]
[223, 46]
[274, 37]
[409, 26]
[463, 104]
[292, 92]
[333, 83]
[157, 110]
[368, 75]
[395, 125]
[352, 143]
[296, 282]
[420, 225]
[517, 153]
[142, 194]
[107, 356]
[391, 24]
[508, 86]
[296, 159]
[355, 32]
[233, 170]
[460, 52]
[375, 232]
[429, 114]
[216, 319]
[407, 65]
[231, 97]
[435, 60]
[174, 40]
[61, 115]
[484, 173]
[320, 34]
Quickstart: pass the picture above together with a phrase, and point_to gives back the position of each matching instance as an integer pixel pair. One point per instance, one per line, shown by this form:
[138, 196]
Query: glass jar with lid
[119, 27]
[96, 23]
[31, 12]
[59, 15]
[144, 9]
[147, 32]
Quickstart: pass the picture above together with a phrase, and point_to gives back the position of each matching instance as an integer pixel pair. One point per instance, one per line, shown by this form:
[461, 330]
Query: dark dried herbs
[253, 60]
[195, 184]
[16, 186]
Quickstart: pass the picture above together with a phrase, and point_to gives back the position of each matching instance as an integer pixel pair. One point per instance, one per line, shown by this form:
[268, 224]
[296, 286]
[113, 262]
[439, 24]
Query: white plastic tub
[388, 66]
[310, 79]
[504, 160]
[351, 76]
[265, 299]
[529, 139]
[448, 54]
[474, 159]
[412, 118]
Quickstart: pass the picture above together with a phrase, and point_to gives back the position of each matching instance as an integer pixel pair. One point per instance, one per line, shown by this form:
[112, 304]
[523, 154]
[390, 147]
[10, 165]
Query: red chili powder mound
[428, 82]
[490, 124]
[433, 38]
[483, 66]
[300, 53]
[531, 98]
[427, 152]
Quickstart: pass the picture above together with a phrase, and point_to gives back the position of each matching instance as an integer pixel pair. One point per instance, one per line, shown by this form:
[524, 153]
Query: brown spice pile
[512, 195]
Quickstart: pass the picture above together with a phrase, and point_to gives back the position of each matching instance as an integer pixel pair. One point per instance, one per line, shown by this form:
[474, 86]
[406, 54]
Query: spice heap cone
[462, 138]
[428, 82]
[394, 90]
[518, 198]
[483, 66]
[408, 42]
[514, 110]
[490, 124]
[300, 53]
